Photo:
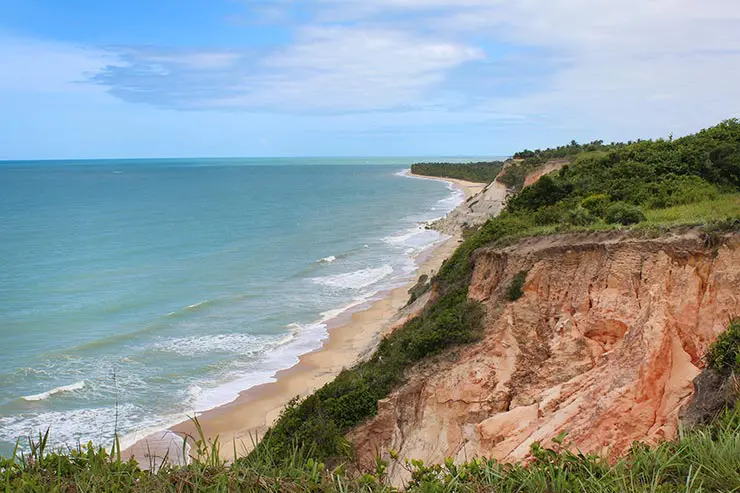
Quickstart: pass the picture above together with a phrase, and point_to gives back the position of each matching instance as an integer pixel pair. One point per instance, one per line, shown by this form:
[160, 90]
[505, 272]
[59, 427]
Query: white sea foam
[417, 238]
[356, 280]
[224, 343]
[58, 390]
[449, 203]
[445, 205]
[69, 427]
[303, 339]
[328, 260]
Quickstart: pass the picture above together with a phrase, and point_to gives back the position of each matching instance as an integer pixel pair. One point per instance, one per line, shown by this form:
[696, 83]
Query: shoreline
[351, 336]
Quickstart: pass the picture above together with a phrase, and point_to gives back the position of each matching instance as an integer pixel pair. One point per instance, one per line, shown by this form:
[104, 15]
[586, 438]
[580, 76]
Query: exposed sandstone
[547, 168]
[604, 345]
[475, 211]
[490, 201]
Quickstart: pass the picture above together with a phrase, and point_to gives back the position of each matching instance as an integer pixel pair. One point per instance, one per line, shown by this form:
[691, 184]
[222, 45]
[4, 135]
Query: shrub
[514, 292]
[580, 217]
[550, 215]
[724, 354]
[680, 190]
[596, 204]
[622, 213]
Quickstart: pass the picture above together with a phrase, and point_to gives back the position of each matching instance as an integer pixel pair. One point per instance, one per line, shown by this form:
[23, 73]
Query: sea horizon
[269, 160]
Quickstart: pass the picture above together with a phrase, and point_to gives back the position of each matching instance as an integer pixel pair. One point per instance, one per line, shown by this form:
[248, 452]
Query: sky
[196, 78]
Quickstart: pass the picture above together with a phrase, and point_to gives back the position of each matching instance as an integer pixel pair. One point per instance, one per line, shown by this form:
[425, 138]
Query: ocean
[134, 293]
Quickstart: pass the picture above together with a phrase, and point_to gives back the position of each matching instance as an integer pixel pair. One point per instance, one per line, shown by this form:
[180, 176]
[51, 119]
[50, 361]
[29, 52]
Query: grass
[705, 459]
[724, 354]
[724, 207]
[721, 214]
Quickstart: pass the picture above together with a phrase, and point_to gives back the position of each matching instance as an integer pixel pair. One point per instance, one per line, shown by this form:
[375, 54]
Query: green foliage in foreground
[724, 354]
[705, 459]
[484, 172]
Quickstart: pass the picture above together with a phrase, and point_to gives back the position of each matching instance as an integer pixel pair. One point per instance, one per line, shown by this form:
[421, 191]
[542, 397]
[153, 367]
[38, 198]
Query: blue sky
[166, 78]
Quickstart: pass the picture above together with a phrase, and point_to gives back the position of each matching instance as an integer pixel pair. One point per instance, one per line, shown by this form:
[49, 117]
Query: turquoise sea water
[151, 289]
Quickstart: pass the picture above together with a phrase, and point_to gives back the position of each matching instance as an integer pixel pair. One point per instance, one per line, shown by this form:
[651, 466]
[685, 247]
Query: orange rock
[603, 345]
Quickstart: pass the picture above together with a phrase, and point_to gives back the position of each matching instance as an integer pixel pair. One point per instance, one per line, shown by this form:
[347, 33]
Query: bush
[680, 190]
[580, 217]
[625, 214]
[724, 354]
[652, 173]
[421, 287]
[550, 215]
[514, 292]
[596, 204]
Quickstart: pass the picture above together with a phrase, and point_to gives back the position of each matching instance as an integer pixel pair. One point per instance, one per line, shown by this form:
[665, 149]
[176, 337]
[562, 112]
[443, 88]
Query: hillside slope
[603, 344]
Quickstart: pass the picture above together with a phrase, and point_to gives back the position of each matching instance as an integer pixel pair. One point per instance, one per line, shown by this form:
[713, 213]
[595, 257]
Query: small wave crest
[327, 260]
[413, 240]
[195, 307]
[358, 279]
[58, 390]
[218, 343]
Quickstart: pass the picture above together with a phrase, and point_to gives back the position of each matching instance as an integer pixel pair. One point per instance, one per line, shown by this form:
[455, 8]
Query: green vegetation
[527, 161]
[704, 459]
[651, 174]
[563, 152]
[514, 292]
[724, 354]
[623, 213]
[722, 209]
[483, 172]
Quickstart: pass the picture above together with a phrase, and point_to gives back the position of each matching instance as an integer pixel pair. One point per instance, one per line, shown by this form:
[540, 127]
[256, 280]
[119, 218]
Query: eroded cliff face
[604, 345]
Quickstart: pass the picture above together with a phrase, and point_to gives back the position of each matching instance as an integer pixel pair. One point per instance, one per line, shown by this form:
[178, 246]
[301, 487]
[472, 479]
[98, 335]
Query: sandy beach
[352, 336]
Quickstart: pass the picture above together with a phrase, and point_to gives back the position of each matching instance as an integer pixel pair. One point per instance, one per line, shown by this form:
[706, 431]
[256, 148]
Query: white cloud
[348, 69]
[326, 69]
[33, 65]
[643, 65]
[598, 63]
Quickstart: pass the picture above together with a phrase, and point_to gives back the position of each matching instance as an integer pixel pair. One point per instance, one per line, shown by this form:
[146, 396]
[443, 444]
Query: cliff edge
[603, 344]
